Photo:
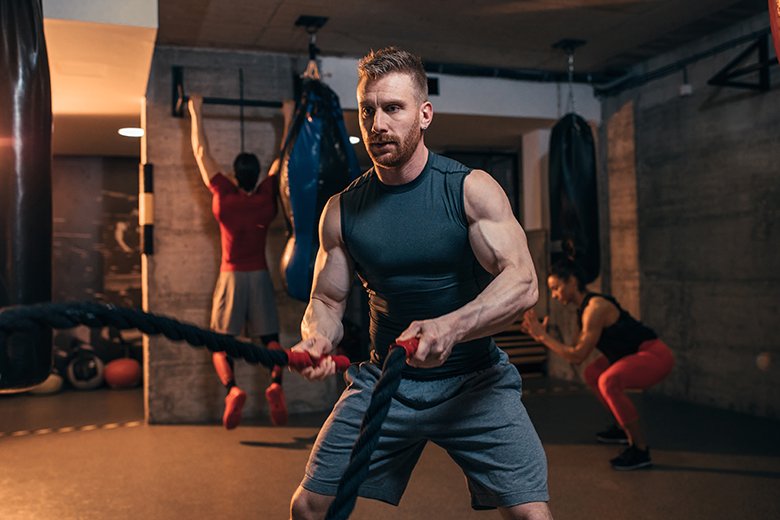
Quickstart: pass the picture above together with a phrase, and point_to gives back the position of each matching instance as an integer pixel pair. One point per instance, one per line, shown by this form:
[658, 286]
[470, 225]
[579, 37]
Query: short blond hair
[377, 64]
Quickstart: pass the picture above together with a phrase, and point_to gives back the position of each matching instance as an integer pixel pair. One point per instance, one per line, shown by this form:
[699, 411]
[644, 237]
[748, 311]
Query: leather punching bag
[318, 161]
[25, 187]
[574, 210]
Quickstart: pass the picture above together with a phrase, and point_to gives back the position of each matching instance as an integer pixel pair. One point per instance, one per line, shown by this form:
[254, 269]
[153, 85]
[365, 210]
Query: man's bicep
[496, 237]
[333, 267]
[332, 275]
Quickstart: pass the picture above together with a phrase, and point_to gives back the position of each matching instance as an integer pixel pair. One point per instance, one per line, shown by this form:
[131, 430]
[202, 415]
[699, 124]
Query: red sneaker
[274, 394]
[234, 403]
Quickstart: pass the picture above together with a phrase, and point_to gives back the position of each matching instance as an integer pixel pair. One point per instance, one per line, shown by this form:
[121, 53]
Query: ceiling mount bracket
[312, 24]
[568, 45]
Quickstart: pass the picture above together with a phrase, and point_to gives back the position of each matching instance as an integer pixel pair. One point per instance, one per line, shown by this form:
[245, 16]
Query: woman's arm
[594, 320]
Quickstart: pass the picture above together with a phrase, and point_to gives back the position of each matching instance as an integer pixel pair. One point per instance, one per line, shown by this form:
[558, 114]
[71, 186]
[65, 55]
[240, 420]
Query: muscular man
[442, 259]
[633, 357]
[244, 204]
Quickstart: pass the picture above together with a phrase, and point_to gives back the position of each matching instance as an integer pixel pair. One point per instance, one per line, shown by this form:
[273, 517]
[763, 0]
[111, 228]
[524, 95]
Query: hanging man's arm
[200, 148]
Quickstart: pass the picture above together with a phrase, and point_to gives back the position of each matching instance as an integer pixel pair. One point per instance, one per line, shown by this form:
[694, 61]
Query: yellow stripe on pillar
[146, 209]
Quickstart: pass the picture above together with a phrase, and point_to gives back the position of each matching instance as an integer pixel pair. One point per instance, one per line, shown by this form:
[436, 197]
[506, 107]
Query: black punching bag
[574, 208]
[25, 187]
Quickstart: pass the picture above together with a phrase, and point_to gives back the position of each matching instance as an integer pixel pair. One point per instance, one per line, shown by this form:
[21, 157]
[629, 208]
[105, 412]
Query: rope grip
[409, 345]
[298, 360]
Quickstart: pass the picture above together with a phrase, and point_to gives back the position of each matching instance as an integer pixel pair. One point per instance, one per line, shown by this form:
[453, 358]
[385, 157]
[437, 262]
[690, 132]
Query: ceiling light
[131, 132]
[353, 139]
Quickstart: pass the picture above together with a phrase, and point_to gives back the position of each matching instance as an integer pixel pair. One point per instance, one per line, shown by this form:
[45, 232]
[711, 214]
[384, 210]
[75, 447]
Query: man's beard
[403, 150]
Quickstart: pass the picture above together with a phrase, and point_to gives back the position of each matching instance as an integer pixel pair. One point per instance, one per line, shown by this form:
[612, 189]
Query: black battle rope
[381, 399]
[69, 315]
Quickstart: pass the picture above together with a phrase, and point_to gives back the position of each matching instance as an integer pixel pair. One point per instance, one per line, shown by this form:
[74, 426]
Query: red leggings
[650, 365]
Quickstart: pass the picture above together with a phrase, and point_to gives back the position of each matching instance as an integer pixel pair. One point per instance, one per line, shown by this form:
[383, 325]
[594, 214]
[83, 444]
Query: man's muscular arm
[321, 328]
[500, 246]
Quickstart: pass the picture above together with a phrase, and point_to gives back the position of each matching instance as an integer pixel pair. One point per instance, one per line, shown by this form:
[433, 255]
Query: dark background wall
[95, 253]
[708, 226]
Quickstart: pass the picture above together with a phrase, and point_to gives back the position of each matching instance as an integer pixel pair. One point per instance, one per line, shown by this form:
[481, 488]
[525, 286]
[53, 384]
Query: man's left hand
[436, 339]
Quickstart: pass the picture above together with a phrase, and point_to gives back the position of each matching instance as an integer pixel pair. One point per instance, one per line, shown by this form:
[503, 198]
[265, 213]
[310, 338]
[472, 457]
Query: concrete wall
[179, 278]
[708, 208]
[623, 240]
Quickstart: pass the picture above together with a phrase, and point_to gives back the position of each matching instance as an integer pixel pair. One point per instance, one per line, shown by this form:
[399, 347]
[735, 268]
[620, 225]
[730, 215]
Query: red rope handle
[409, 345]
[299, 360]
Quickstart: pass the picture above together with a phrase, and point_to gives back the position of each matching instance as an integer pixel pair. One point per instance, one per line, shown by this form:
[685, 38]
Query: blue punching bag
[317, 161]
[574, 210]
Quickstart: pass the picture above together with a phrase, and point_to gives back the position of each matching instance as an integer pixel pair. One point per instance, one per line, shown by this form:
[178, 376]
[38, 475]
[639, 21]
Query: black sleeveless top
[411, 250]
[624, 336]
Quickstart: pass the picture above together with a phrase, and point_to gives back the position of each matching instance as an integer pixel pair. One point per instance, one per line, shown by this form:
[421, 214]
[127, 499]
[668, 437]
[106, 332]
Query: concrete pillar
[536, 145]
[624, 242]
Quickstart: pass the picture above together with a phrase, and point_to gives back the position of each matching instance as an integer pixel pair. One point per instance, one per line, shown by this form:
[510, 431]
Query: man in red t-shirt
[244, 204]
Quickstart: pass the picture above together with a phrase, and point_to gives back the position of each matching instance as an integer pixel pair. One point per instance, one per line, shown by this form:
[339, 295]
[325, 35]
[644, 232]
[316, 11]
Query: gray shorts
[244, 298]
[478, 418]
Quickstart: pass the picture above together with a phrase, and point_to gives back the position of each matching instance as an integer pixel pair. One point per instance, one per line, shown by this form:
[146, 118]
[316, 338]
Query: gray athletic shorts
[478, 418]
[244, 298]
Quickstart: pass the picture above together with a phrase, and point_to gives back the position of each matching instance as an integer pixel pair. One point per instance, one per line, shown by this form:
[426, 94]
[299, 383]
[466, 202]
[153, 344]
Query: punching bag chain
[312, 70]
[241, 104]
[570, 108]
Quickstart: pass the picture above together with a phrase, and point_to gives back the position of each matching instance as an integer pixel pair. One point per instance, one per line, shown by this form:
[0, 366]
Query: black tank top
[411, 250]
[624, 336]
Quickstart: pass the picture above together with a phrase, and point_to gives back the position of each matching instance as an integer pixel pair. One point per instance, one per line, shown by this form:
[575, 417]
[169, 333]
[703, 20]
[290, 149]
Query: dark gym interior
[682, 99]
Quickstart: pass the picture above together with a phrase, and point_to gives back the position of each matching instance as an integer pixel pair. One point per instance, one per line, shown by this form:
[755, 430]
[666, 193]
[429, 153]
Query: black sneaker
[613, 435]
[632, 458]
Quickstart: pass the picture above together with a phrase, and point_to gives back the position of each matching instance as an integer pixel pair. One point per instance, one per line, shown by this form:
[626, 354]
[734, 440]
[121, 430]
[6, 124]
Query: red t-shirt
[243, 222]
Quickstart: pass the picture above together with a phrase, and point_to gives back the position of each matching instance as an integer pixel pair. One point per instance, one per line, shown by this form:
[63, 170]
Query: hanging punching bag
[318, 161]
[25, 187]
[574, 212]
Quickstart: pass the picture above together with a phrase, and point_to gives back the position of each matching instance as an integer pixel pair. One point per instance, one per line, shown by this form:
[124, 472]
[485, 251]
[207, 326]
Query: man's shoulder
[358, 184]
[220, 183]
[446, 166]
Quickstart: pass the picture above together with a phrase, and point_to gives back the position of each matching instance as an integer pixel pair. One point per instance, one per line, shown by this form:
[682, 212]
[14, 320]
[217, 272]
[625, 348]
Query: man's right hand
[319, 348]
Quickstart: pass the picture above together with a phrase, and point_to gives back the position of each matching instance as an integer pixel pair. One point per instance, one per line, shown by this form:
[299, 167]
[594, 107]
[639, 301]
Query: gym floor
[89, 455]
